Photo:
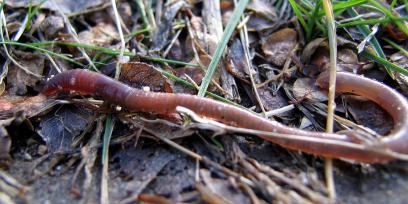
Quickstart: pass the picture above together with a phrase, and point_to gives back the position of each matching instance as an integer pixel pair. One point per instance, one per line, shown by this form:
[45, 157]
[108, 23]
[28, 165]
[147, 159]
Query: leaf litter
[53, 145]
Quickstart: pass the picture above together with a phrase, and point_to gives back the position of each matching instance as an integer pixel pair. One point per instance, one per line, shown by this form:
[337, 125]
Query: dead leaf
[65, 6]
[140, 75]
[150, 198]
[263, 8]
[395, 32]
[348, 61]
[237, 65]
[18, 79]
[305, 88]
[167, 128]
[310, 49]
[263, 15]
[188, 74]
[161, 36]
[279, 45]
[59, 129]
[401, 60]
[140, 166]
[203, 42]
[100, 35]
[320, 61]
[51, 25]
[369, 114]
[179, 172]
[272, 102]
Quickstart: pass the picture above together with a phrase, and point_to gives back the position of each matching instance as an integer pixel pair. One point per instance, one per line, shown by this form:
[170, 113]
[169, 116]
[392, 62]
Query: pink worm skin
[317, 143]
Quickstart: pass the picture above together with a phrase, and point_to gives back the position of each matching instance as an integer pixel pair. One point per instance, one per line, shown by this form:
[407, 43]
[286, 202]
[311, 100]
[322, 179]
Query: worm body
[317, 143]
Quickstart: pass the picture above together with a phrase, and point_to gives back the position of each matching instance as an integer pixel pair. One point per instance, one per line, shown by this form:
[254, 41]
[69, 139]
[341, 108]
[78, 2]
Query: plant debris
[53, 149]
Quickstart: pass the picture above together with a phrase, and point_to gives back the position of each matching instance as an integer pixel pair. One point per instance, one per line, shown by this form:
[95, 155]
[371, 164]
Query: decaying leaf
[179, 172]
[320, 61]
[272, 102]
[263, 15]
[188, 74]
[263, 8]
[310, 49]
[237, 65]
[58, 130]
[202, 42]
[305, 88]
[165, 128]
[348, 61]
[369, 114]
[161, 36]
[401, 60]
[52, 25]
[141, 166]
[140, 75]
[20, 79]
[100, 35]
[279, 45]
[395, 32]
[65, 6]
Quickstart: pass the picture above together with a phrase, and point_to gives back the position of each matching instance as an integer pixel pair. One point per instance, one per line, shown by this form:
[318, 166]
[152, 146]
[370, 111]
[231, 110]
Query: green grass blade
[109, 124]
[395, 45]
[384, 62]
[341, 5]
[111, 51]
[299, 15]
[42, 50]
[365, 30]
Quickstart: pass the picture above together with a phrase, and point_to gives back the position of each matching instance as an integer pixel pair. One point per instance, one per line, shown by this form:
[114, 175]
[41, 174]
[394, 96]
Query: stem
[331, 27]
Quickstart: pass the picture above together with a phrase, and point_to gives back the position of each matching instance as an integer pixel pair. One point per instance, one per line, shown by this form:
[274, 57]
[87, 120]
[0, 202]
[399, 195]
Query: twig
[279, 110]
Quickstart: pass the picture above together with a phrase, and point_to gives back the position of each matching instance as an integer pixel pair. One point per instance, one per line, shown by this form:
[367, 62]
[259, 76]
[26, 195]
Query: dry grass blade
[122, 39]
[332, 91]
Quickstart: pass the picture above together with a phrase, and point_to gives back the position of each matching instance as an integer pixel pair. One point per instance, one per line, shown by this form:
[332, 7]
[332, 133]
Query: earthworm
[317, 143]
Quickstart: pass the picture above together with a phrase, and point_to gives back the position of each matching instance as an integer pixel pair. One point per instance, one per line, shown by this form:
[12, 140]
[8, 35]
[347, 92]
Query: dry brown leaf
[188, 74]
[263, 16]
[395, 32]
[139, 75]
[348, 61]
[310, 49]
[17, 78]
[369, 114]
[305, 88]
[60, 128]
[51, 25]
[401, 60]
[100, 35]
[279, 45]
[236, 63]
